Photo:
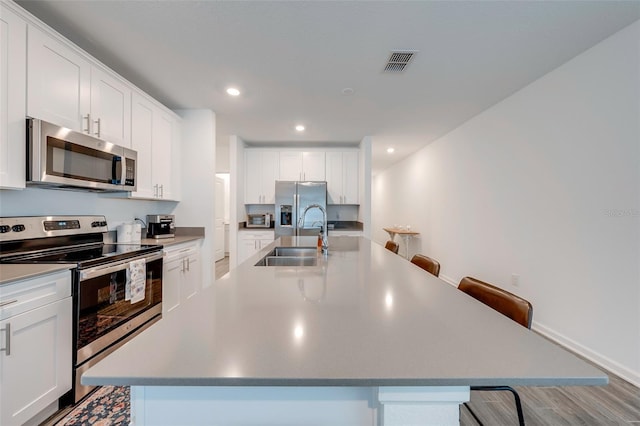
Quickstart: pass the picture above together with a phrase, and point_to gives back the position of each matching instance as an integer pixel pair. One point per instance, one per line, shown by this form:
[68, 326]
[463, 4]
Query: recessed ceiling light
[348, 91]
[300, 128]
[233, 91]
[390, 150]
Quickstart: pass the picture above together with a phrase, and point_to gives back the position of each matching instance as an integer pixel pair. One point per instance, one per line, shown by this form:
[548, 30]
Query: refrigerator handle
[294, 221]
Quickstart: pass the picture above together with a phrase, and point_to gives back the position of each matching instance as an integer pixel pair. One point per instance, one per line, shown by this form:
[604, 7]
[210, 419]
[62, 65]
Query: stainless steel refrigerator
[291, 200]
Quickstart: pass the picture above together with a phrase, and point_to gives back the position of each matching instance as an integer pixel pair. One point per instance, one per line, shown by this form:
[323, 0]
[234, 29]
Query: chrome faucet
[324, 230]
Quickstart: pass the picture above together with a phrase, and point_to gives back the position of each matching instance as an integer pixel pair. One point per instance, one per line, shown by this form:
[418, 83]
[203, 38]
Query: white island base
[321, 406]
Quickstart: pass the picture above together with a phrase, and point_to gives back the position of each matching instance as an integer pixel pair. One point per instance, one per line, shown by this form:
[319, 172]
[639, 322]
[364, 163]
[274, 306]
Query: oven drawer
[21, 296]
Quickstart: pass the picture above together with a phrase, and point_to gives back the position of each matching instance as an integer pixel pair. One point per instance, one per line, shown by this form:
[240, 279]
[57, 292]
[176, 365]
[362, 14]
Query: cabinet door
[58, 82]
[13, 92]
[350, 178]
[253, 177]
[192, 276]
[161, 153]
[290, 165]
[313, 165]
[270, 174]
[110, 108]
[334, 176]
[37, 370]
[141, 141]
[171, 277]
[246, 249]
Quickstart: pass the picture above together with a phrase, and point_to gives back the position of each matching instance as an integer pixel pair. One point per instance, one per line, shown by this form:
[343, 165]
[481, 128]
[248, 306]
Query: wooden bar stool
[508, 304]
[428, 264]
[393, 246]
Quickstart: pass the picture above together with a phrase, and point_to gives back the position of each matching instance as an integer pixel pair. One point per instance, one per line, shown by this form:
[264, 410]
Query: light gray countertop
[9, 273]
[362, 317]
[167, 242]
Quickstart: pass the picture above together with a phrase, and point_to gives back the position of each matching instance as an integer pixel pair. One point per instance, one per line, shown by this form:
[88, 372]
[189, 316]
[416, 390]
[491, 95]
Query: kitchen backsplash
[38, 202]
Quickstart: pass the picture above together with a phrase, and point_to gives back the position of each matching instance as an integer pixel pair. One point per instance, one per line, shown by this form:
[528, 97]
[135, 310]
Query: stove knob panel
[18, 228]
[4, 229]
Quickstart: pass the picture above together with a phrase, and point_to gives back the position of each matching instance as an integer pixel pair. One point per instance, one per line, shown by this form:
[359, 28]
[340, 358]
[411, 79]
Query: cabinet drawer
[180, 251]
[256, 235]
[21, 296]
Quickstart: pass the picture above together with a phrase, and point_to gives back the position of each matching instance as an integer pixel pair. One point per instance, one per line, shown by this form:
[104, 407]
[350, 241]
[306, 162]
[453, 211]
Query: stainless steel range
[117, 288]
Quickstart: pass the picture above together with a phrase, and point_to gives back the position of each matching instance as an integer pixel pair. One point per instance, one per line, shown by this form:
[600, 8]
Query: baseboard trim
[448, 280]
[602, 361]
[608, 364]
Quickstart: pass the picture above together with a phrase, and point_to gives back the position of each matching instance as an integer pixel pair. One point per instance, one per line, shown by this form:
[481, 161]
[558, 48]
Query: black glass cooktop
[85, 256]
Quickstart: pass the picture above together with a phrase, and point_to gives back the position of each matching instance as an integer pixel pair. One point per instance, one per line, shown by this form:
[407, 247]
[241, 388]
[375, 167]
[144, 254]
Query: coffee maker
[160, 226]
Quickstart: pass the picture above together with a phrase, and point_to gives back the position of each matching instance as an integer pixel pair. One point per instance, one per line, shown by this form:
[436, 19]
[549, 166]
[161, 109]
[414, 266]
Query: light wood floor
[222, 267]
[618, 403]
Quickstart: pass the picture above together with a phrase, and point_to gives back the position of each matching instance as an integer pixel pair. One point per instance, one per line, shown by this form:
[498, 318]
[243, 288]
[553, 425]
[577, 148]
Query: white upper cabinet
[64, 88]
[58, 82]
[110, 108]
[297, 165]
[13, 89]
[162, 151]
[261, 173]
[152, 135]
[342, 177]
[142, 112]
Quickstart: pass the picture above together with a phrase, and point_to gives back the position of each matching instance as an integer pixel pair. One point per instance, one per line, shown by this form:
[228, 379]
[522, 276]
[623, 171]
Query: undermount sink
[290, 256]
[296, 251]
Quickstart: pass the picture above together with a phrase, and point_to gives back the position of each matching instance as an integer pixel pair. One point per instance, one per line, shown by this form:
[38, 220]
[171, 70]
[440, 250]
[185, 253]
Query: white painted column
[407, 406]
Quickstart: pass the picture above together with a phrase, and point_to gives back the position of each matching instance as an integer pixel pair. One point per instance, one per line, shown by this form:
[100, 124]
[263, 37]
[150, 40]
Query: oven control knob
[98, 224]
[4, 228]
[18, 228]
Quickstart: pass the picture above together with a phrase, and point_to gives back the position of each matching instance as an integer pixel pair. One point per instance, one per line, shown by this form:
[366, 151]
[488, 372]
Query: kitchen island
[364, 337]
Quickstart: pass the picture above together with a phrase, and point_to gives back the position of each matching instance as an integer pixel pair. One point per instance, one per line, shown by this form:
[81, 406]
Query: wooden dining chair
[428, 264]
[508, 304]
[393, 246]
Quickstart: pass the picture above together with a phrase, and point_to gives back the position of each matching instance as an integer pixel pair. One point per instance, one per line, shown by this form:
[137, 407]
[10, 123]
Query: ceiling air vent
[399, 60]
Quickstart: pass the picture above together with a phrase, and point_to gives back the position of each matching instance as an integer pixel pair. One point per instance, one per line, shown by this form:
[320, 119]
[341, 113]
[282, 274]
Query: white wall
[197, 206]
[545, 185]
[236, 199]
[38, 202]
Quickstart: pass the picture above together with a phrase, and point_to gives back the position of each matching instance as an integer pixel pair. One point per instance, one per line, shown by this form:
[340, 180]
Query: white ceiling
[293, 59]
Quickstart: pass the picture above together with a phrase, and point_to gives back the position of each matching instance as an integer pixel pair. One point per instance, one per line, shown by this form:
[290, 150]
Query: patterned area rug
[108, 406]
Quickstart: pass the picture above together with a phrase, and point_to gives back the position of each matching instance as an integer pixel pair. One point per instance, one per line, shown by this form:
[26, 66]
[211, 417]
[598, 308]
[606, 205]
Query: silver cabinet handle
[188, 264]
[155, 190]
[97, 122]
[88, 118]
[161, 191]
[8, 302]
[7, 339]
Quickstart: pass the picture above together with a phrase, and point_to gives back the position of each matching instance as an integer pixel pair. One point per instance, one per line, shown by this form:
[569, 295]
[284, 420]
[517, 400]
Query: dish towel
[136, 281]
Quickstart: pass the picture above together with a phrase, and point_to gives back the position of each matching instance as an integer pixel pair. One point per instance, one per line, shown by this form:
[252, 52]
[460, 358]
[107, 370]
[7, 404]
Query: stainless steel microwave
[63, 158]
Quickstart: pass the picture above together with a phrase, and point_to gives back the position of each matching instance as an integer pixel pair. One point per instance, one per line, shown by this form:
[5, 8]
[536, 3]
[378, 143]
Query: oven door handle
[111, 268]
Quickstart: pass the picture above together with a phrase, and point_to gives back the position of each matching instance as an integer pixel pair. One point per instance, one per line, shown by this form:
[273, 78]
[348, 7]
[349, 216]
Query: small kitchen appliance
[262, 220]
[160, 226]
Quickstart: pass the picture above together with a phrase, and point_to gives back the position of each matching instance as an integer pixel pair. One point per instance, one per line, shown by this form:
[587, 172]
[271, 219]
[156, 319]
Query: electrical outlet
[515, 280]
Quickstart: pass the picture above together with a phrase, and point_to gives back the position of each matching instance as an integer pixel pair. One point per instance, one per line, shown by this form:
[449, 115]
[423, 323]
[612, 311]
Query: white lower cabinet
[182, 275]
[35, 345]
[250, 242]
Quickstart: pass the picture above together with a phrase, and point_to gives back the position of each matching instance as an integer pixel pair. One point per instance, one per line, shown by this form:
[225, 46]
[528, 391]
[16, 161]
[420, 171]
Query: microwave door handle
[117, 170]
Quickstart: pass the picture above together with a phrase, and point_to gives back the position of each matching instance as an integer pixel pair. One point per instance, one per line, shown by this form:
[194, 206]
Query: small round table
[406, 235]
